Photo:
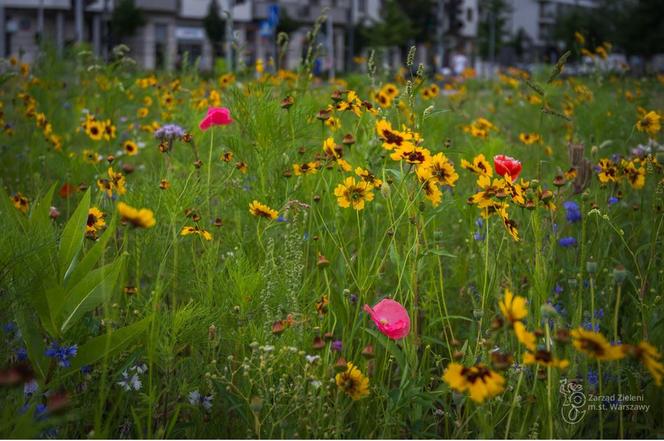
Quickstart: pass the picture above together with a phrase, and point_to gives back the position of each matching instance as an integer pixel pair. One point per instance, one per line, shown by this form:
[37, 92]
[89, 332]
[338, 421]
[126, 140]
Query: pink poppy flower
[390, 317]
[216, 116]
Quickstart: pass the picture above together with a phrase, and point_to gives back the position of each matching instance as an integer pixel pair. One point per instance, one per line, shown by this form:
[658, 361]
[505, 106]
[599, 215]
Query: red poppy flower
[216, 116]
[506, 165]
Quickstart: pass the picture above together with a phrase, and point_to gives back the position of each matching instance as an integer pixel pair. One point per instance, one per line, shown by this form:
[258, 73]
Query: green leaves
[72, 236]
[89, 293]
[108, 344]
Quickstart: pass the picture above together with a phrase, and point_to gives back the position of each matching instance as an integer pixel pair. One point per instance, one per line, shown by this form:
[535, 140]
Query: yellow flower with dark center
[130, 147]
[514, 308]
[95, 130]
[140, 218]
[412, 154]
[227, 156]
[186, 231]
[511, 227]
[608, 171]
[142, 112]
[353, 382]
[545, 358]
[353, 194]
[242, 166]
[438, 168]
[635, 175]
[432, 192]
[649, 123]
[116, 182]
[595, 345]
[261, 210]
[333, 123]
[529, 138]
[383, 100]
[489, 190]
[95, 222]
[90, 156]
[109, 130]
[368, 177]
[392, 138]
[390, 90]
[479, 381]
[21, 203]
[164, 184]
[306, 168]
[650, 357]
[525, 337]
[479, 166]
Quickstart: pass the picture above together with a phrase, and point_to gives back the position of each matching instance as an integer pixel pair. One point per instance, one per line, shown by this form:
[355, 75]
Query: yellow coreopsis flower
[479, 381]
[353, 194]
[186, 231]
[514, 308]
[261, 210]
[649, 123]
[95, 222]
[545, 358]
[140, 218]
[595, 345]
[353, 382]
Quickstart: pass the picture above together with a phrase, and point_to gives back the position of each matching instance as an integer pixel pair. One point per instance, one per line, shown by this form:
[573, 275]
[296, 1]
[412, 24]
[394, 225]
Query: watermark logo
[574, 401]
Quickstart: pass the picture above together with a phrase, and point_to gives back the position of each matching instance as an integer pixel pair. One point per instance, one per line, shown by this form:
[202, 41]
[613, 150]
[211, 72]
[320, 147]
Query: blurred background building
[161, 33]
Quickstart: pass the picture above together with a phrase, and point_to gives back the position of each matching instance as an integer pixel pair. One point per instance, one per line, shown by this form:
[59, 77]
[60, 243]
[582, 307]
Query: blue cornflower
[478, 236]
[572, 211]
[336, 346]
[281, 219]
[554, 227]
[479, 222]
[196, 399]
[588, 326]
[130, 382]
[613, 200]
[558, 289]
[86, 369]
[21, 354]
[30, 388]
[593, 378]
[599, 313]
[567, 242]
[352, 298]
[62, 353]
[9, 327]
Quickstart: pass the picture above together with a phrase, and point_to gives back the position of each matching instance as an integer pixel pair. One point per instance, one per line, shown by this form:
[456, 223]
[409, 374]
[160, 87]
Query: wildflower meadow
[389, 254]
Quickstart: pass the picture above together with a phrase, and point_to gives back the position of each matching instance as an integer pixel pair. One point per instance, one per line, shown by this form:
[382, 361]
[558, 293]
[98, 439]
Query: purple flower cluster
[169, 132]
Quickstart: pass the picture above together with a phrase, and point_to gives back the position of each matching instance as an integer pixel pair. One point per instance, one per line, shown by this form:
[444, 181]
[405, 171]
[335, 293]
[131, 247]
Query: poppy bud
[110, 159]
[368, 352]
[341, 365]
[318, 343]
[287, 174]
[53, 213]
[322, 261]
[323, 115]
[558, 181]
[328, 336]
[337, 95]
[302, 150]
[278, 327]
[128, 168]
[562, 335]
[198, 163]
[287, 102]
[619, 274]
[316, 198]
[348, 139]
[457, 355]
[218, 222]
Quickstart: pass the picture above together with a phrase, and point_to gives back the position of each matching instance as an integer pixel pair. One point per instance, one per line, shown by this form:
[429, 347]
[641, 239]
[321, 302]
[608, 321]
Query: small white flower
[312, 358]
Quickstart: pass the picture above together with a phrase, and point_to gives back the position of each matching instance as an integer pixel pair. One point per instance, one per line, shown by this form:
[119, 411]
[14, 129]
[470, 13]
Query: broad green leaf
[40, 221]
[89, 293]
[72, 237]
[89, 260]
[108, 344]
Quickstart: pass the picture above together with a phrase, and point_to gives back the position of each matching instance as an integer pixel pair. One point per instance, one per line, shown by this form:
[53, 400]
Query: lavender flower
[196, 399]
[336, 346]
[130, 382]
[169, 132]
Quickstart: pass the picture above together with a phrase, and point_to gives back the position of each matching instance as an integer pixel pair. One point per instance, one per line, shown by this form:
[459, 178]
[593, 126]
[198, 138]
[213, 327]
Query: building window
[469, 14]
[362, 6]
[160, 44]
